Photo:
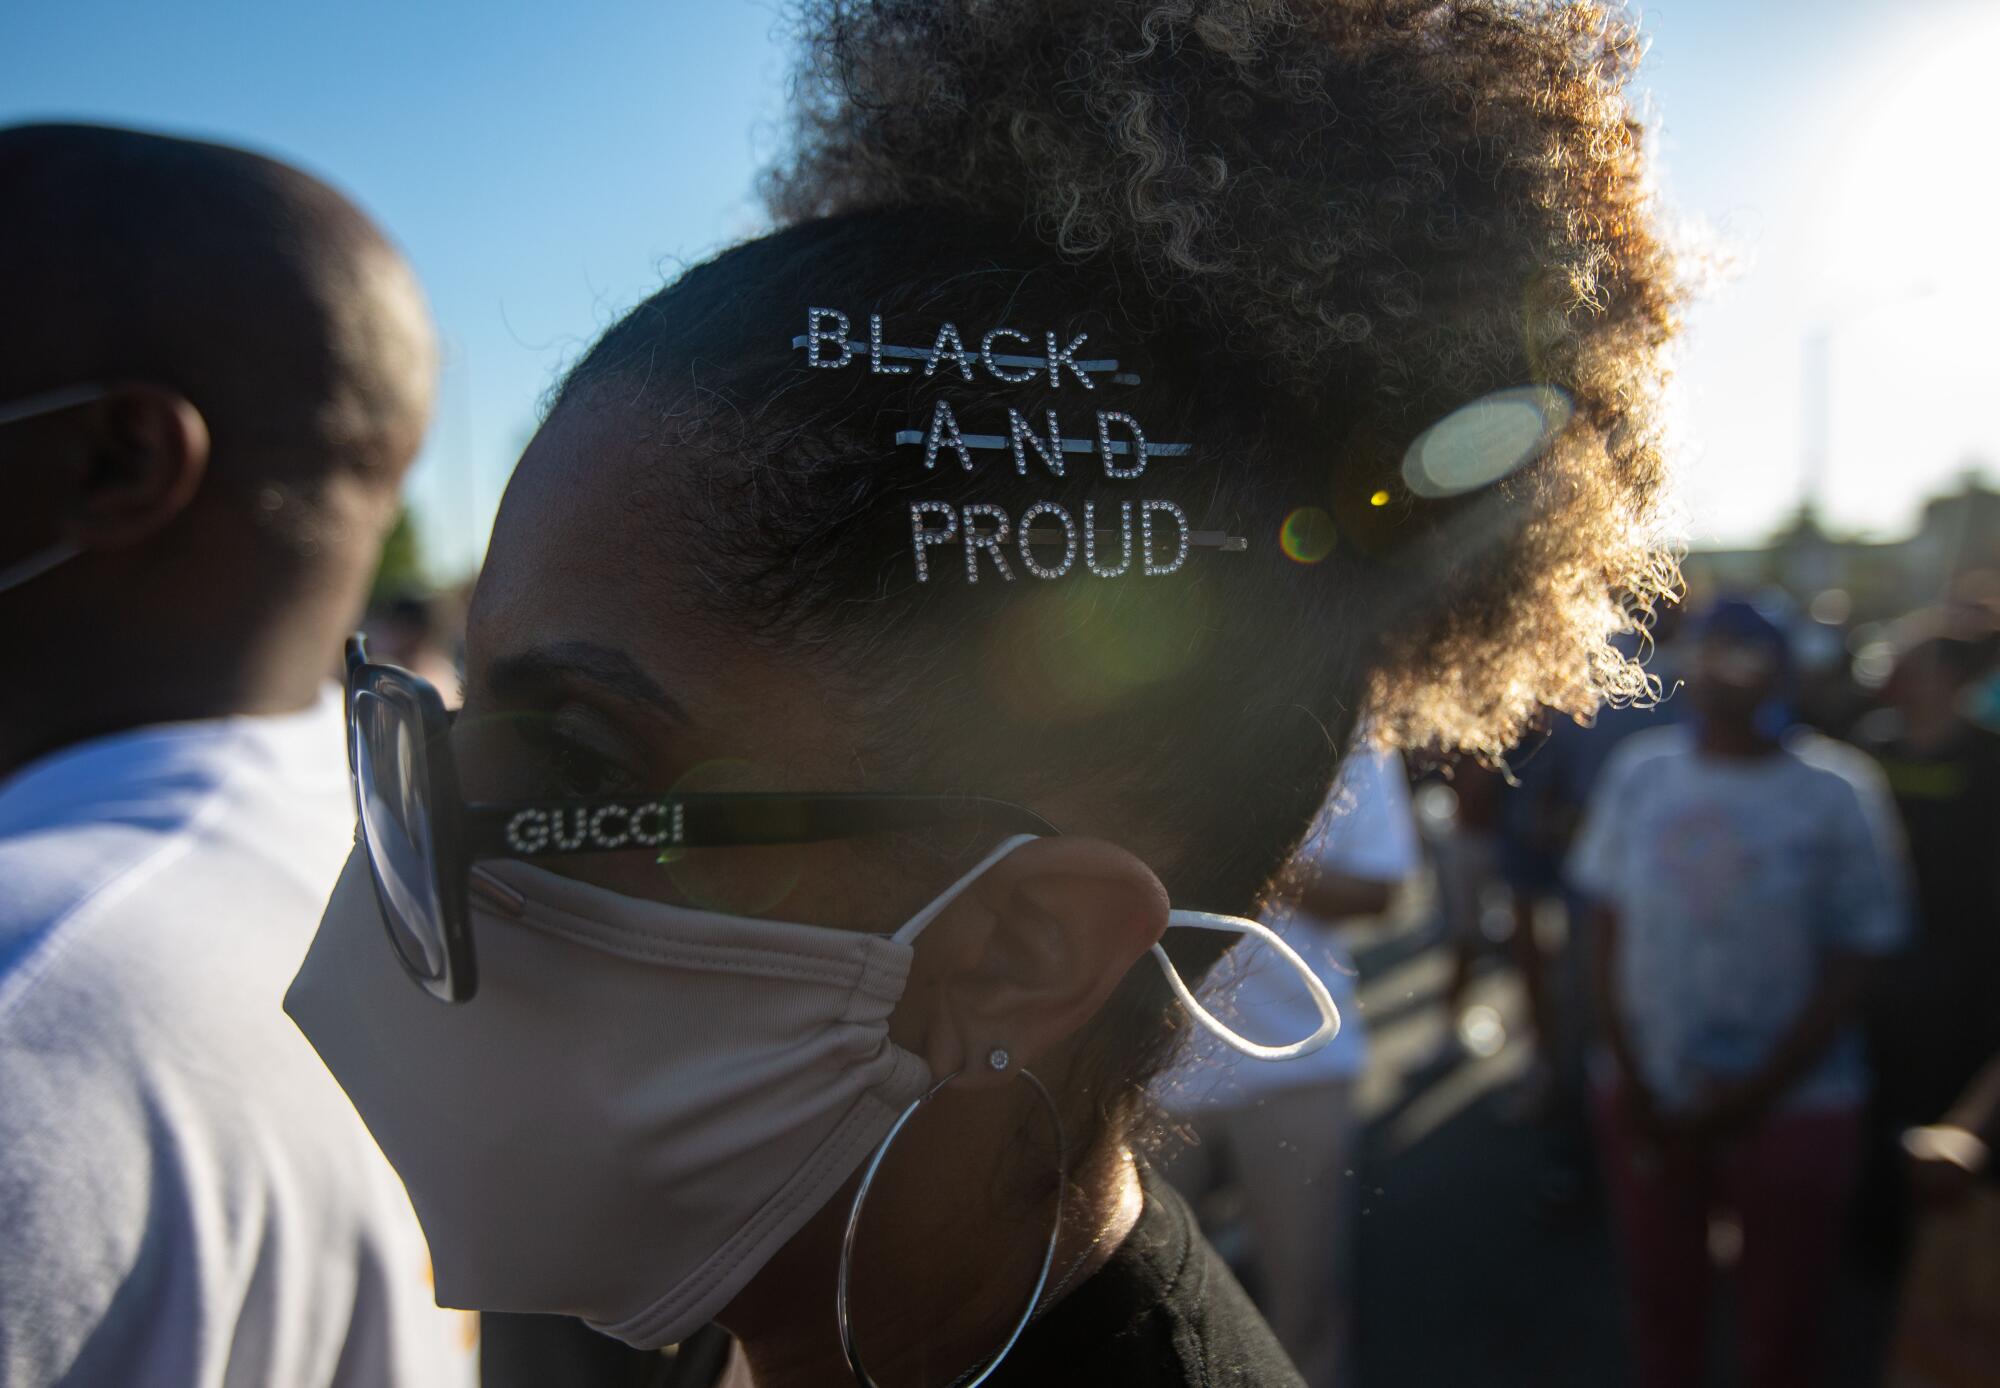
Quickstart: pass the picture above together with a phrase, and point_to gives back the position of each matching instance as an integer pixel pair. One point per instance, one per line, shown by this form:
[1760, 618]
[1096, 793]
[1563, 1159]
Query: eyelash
[575, 768]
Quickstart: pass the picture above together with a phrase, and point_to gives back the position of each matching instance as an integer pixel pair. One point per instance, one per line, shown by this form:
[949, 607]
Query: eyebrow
[607, 667]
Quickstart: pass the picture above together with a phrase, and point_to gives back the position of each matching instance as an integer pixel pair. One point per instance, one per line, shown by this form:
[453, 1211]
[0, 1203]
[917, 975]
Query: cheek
[843, 884]
[810, 883]
[780, 882]
[820, 884]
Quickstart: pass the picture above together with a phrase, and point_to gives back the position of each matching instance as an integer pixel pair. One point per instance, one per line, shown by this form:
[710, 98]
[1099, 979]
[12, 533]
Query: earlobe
[1040, 943]
[147, 453]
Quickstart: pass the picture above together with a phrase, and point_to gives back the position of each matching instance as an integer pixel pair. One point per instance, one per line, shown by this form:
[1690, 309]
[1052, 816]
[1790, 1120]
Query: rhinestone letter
[1022, 436]
[1066, 357]
[1146, 509]
[1104, 418]
[1026, 373]
[1090, 538]
[657, 835]
[1028, 518]
[528, 832]
[942, 419]
[957, 352]
[837, 334]
[990, 541]
[876, 366]
[571, 839]
[922, 538]
[604, 840]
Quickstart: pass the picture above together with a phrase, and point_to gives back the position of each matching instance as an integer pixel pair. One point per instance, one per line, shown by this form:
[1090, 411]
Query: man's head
[1742, 661]
[260, 365]
[1940, 652]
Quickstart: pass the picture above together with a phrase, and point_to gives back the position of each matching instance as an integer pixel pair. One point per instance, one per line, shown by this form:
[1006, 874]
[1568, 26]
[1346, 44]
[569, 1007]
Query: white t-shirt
[1733, 881]
[1364, 830]
[186, 1196]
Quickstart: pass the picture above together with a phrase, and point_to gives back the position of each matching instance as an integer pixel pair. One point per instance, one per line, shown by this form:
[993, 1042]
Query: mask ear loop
[915, 925]
[33, 407]
[49, 401]
[1329, 1013]
[37, 564]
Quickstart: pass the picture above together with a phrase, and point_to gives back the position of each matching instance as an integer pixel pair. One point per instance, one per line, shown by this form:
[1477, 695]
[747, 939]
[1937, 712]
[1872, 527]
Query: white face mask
[30, 407]
[643, 1102]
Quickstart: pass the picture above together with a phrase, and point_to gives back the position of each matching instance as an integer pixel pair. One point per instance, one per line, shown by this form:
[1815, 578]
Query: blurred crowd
[1755, 926]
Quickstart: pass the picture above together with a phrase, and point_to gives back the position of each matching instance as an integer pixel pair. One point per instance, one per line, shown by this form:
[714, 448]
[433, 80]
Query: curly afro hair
[1318, 228]
[1402, 200]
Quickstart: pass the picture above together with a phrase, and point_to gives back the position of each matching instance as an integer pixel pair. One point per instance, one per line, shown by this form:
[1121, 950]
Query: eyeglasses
[422, 837]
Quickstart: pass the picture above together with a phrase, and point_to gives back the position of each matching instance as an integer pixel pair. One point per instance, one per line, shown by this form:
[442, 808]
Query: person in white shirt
[1288, 1133]
[215, 374]
[1746, 878]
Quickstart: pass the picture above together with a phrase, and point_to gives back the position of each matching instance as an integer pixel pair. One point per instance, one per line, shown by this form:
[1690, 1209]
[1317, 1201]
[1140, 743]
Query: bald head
[256, 291]
[257, 364]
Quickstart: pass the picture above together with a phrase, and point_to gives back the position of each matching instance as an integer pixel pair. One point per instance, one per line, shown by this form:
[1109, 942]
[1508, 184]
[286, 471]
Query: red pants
[1788, 1183]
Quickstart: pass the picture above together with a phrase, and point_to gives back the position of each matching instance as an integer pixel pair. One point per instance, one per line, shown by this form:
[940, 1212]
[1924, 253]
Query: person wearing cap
[1743, 877]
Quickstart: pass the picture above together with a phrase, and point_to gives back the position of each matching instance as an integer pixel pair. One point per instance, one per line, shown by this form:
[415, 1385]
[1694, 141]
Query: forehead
[569, 525]
[600, 542]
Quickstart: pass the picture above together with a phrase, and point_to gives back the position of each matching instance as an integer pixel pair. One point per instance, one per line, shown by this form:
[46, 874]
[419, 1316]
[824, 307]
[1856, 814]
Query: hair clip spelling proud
[1119, 443]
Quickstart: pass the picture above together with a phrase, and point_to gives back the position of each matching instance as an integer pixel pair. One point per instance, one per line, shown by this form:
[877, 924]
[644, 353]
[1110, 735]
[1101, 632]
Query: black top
[1935, 1009]
[1163, 1312]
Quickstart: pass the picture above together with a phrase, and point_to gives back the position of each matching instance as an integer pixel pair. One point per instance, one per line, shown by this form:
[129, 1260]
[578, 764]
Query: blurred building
[1959, 535]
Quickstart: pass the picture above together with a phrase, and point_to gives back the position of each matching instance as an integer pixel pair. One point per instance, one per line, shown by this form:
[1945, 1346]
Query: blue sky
[544, 166]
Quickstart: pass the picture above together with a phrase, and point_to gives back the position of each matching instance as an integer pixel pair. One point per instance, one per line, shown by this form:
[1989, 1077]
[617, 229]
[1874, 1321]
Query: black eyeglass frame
[463, 833]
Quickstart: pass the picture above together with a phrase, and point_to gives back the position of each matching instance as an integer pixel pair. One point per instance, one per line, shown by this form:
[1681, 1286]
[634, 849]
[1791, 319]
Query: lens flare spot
[1074, 651]
[743, 881]
[1832, 606]
[1478, 444]
[1481, 1031]
[1307, 535]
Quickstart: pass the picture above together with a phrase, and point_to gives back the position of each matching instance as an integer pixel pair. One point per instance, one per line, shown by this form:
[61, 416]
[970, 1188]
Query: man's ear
[1030, 952]
[144, 451]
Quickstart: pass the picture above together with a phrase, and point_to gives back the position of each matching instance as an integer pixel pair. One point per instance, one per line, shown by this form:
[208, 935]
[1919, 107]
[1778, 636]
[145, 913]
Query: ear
[144, 453]
[1030, 952]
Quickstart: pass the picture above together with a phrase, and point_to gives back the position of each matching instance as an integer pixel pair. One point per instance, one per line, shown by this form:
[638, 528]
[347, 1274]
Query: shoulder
[159, 1105]
[1651, 744]
[81, 1195]
[146, 939]
[1366, 828]
[1831, 764]
[1366, 773]
[177, 823]
[73, 883]
[1647, 751]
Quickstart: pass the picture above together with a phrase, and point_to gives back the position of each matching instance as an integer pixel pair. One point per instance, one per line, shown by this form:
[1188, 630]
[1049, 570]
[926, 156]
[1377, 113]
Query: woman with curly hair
[917, 635]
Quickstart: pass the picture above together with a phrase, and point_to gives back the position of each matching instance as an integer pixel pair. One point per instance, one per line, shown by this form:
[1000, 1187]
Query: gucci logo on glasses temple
[651, 825]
